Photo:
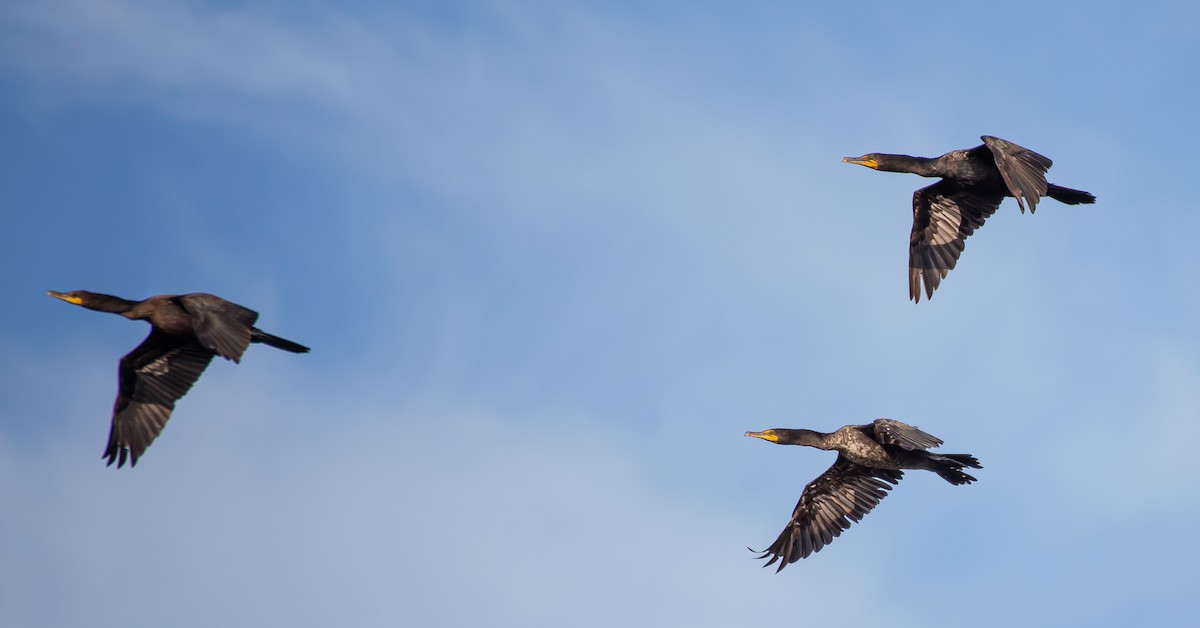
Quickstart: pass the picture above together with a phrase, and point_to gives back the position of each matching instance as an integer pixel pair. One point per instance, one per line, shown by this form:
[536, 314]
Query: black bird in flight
[869, 462]
[186, 331]
[974, 181]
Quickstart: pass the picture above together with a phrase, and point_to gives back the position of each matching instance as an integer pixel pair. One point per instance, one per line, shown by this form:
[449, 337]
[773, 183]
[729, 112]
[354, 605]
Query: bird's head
[781, 436]
[870, 160]
[91, 300]
[767, 435]
[76, 297]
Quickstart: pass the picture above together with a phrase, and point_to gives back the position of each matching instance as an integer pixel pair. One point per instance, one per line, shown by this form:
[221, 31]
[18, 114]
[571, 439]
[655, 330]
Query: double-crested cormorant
[870, 459]
[186, 331]
[974, 181]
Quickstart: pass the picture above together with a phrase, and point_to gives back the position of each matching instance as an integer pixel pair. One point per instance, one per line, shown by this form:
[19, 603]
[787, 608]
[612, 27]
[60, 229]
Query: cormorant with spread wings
[974, 181]
[869, 462]
[186, 331]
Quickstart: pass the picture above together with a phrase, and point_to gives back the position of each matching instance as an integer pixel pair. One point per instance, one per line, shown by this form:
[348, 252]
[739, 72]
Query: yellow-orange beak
[862, 161]
[65, 297]
[767, 435]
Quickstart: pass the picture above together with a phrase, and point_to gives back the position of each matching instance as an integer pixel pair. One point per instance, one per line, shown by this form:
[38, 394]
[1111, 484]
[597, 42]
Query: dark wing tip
[119, 454]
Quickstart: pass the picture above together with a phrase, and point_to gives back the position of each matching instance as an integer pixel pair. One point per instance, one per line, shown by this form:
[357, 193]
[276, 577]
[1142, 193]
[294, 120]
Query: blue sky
[553, 261]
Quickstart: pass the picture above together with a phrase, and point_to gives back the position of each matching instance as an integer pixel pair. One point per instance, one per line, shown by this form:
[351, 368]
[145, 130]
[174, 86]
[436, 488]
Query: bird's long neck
[808, 438]
[923, 166]
[111, 304]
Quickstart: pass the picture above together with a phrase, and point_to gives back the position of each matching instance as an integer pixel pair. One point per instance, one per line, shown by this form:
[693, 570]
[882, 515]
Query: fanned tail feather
[950, 467]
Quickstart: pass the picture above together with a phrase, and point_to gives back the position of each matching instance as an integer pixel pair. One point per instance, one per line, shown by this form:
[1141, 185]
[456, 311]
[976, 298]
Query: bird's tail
[950, 467]
[1069, 196]
[258, 335]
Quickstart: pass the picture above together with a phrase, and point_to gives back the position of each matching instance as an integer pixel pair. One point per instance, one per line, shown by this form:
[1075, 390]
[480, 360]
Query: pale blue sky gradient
[553, 261]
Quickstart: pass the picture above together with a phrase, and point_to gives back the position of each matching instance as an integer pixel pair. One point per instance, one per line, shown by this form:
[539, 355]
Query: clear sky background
[553, 259]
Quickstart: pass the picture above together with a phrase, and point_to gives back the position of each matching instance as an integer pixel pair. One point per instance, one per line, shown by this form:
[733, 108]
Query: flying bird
[869, 463]
[974, 181]
[186, 331]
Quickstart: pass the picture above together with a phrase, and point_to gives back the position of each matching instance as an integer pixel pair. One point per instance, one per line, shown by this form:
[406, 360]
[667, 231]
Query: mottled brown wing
[1023, 170]
[903, 435]
[944, 215]
[220, 325]
[152, 378]
[828, 505]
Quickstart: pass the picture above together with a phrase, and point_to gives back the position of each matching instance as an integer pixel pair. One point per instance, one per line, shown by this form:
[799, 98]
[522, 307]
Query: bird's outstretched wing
[903, 435]
[1024, 171]
[151, 378]
[828, 505]
[944, 214]
[220, 325]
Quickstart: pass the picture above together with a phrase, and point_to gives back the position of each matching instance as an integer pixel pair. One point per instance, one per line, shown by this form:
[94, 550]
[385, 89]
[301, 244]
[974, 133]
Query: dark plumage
[974, 181]
[869, 462]
[186, 331]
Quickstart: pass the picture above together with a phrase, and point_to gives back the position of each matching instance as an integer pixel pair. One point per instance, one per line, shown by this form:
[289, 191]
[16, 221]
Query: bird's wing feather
[944, 214]
[151, 378]
[903, 435]
[829, 504]
[1023, 170]
[220, 325]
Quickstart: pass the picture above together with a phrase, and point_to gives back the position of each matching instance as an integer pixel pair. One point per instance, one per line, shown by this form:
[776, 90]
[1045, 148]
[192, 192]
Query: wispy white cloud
[396, 514]
[182, 49]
